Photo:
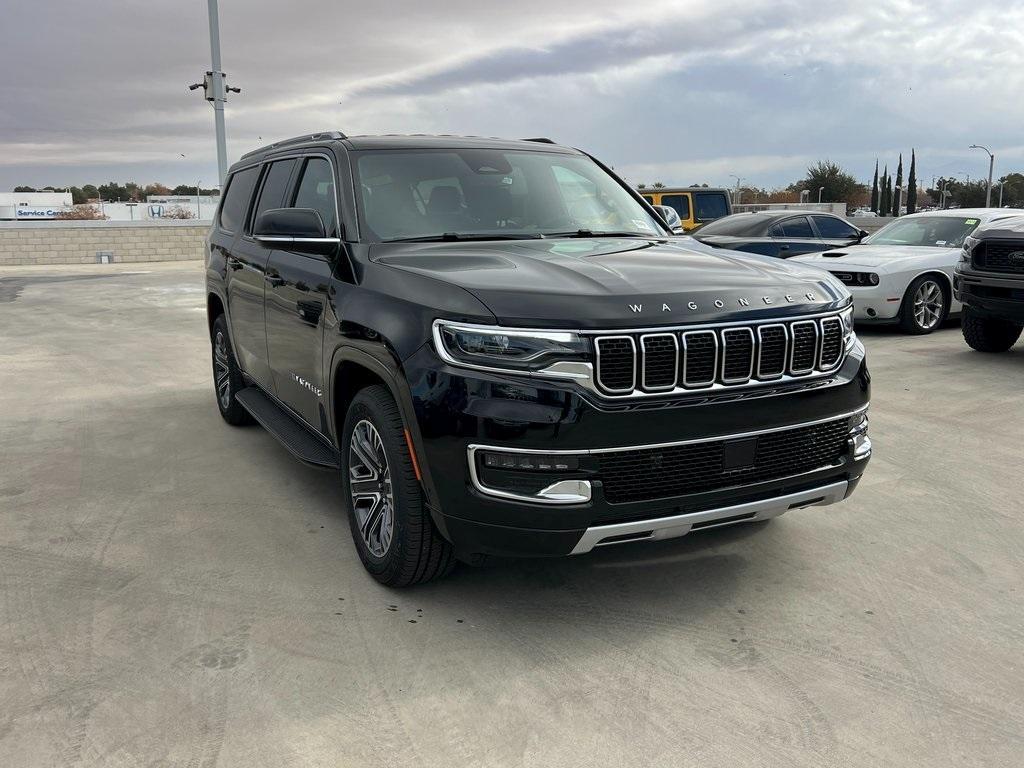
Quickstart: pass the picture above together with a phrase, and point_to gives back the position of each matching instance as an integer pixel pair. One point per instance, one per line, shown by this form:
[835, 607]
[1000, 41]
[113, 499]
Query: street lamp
[991, 162]
[199, 213]
[899, 199]
[736, 201]
[820, 190]
[1001, 185]
[214, 89]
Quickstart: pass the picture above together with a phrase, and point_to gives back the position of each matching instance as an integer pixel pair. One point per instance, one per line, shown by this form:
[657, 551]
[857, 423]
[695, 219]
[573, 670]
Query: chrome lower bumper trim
[680, 525]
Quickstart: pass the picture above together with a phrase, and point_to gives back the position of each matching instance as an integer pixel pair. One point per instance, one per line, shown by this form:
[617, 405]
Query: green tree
[874, 189]
[912, 184]
[112, 191]
[78, 196]
[1013, 190]
[884, 204]
[839, 185]
[90, 191]
[897, 188]
[24, 189]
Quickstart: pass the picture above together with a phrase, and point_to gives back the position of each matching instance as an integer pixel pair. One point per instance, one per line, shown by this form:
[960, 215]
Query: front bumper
[877, 303]
[462, 412]
[999, 297]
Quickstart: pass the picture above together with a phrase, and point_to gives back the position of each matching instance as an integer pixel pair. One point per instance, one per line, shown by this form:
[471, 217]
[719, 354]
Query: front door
[297, 298]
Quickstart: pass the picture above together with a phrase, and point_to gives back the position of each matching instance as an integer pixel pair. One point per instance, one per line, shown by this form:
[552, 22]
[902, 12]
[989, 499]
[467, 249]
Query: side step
[296, 437]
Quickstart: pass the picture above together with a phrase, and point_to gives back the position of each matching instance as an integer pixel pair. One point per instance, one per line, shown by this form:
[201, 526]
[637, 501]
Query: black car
[989, 280]
[780, 233]
[502, 352]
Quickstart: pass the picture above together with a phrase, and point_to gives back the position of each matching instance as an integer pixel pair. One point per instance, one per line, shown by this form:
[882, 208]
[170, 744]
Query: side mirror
[861, 234]
[294, 229]
[670, 216]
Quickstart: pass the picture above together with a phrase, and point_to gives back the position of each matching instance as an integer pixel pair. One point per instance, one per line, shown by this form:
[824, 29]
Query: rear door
[794, 236]
[248, 268]
[297, 297]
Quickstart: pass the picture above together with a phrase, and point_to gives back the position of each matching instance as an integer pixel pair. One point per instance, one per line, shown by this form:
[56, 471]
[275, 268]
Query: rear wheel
[393, 533]
[989, 334]
[227, 376]
[925, 305]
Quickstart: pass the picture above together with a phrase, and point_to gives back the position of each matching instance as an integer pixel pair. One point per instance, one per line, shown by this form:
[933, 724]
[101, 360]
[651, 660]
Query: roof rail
[322, 135]
[540, 140]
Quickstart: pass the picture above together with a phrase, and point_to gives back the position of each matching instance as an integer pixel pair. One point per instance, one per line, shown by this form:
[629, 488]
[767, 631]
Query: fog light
[860, 443]
[530, 462]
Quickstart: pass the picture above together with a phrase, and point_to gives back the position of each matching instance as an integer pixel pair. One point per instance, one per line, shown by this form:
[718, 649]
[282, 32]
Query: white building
[33, 206]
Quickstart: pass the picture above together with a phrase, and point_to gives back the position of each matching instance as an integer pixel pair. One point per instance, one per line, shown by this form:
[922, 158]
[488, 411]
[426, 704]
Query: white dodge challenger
[903, 273]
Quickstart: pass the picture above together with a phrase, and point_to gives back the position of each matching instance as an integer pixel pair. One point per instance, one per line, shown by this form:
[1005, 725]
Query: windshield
[948, 231]
[484, 193]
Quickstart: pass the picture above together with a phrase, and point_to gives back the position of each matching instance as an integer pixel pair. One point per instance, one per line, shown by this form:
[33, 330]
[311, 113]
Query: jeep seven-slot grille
[659, 473]
[652, 362]
[991, 256]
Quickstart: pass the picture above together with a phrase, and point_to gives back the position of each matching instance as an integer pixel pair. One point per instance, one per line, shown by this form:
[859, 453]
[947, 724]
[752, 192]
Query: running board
[296, 437]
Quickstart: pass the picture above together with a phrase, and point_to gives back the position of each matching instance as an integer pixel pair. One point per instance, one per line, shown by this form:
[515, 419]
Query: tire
[989, 334]
[391, 527]
[925, 305]
[227, 376]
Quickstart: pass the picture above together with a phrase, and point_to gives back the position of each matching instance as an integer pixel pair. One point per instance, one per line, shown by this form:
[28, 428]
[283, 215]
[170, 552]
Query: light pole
[899, 200]
[991, 162]
[215, 91]
[1001, 185]
[820, 190]
[736, 201]
[199, 213]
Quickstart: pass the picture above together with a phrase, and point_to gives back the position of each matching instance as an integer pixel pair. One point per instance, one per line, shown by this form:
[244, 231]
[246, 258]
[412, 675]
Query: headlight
[965, 252]
[516, 349]
[848, 335]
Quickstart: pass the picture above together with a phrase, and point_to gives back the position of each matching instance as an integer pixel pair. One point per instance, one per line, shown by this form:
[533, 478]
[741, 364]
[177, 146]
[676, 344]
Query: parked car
[989, 282]
[903, 273]
[696, 206]
[782, 234]
[864, 213]
[501, 350]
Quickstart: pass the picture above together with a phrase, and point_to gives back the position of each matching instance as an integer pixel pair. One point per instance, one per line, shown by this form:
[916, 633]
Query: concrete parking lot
[175, 591]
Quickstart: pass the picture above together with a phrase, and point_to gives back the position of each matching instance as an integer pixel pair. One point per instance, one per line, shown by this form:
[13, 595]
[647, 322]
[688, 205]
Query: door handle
[275, 280]
[235, 263]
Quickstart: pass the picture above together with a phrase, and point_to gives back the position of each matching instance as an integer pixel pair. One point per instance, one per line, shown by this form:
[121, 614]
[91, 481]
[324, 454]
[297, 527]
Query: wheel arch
[215, 307]
[945, 281]
[360, 364]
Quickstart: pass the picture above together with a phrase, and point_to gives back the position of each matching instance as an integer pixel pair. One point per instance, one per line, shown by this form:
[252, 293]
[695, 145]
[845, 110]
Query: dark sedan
[780, 233]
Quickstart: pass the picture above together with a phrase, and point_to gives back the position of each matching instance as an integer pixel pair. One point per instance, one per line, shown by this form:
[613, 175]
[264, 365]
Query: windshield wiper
[452, 237]
[602, 233]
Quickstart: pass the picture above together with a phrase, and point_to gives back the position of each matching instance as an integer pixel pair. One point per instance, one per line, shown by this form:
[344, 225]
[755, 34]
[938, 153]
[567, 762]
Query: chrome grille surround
[597, 357]
[646, 364]
[809, 351]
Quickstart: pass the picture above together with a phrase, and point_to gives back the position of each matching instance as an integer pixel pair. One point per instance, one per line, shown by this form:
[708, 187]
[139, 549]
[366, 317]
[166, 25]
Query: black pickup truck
[503, 351]
[989, 280]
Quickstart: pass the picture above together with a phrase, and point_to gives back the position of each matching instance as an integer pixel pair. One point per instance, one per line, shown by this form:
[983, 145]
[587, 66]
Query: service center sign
[27, 212]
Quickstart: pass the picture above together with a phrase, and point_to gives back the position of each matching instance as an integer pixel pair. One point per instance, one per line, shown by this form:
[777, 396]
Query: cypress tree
[896, 192]
[912, 184]
[874, 189]
[883, 194]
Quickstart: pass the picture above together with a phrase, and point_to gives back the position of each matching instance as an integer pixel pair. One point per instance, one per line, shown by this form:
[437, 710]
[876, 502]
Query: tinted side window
[275, 184]
[236, 199]
[681, 203]
[797, 227]
[829, 226]
[316, 191]
[710, 205]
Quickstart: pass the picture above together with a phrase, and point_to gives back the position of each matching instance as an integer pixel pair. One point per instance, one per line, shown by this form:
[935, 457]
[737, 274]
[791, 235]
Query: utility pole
[199, 213]
[736, 195]
[820, 190]
[215, 91]
[991, 162]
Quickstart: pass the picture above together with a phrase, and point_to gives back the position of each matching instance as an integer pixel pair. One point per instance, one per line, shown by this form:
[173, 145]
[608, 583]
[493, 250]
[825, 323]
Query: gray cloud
[679, 91]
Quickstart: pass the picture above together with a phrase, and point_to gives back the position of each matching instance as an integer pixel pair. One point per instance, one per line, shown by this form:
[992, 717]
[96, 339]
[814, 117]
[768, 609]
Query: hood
[617, 282]
[871, 255]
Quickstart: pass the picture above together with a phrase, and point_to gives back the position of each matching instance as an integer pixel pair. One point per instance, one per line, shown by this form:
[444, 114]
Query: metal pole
[820, 190]
[199, 213]
[217, 84]
[1001, 185]
[988, 192]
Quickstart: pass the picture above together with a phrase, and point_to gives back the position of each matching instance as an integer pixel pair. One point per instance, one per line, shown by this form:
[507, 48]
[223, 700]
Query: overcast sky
[680, 92]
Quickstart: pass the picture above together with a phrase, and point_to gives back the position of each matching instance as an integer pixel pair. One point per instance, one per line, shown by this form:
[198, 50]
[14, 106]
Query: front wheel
[393, 533]
[989, 334]
[925, 305]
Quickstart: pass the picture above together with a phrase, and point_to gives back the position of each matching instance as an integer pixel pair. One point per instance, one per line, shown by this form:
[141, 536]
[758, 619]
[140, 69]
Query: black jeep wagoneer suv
[504, 351]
